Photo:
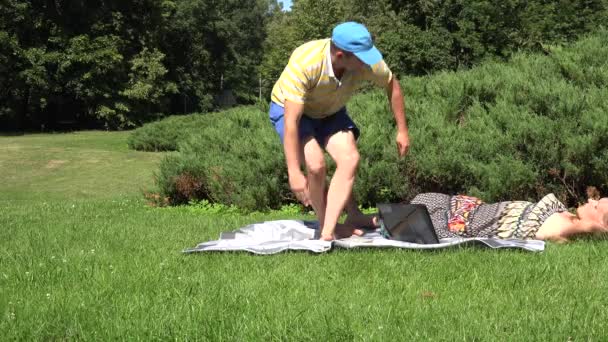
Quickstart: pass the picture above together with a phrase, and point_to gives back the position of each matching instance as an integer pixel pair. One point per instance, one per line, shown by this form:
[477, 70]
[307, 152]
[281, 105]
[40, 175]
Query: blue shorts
[320, 129]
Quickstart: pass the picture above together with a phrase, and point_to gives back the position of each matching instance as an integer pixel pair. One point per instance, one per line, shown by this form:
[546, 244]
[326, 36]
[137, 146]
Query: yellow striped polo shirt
[309, 79]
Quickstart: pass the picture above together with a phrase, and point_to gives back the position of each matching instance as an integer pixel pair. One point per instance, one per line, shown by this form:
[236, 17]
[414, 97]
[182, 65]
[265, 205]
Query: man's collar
[330, 67]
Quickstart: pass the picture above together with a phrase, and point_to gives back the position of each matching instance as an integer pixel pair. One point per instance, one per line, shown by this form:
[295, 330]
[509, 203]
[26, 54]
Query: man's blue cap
[355, 38]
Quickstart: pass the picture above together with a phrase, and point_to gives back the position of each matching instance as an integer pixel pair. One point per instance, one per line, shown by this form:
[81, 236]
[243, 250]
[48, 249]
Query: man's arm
[395, 98]
[293, 113]
[297, 180]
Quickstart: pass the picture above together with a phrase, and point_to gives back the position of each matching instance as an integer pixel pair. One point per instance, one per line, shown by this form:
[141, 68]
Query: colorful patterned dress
[465, 216]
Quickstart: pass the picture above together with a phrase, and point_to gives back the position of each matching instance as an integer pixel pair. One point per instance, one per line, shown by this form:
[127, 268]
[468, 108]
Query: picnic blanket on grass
[272, 237]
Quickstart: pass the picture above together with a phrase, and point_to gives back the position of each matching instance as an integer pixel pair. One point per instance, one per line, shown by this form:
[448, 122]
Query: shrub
[165, 135]
[516, 130]
[236, 160]
[500, 131]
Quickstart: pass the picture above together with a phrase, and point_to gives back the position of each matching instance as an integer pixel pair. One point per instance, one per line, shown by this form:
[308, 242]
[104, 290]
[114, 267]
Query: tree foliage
[120, 64]
[422, 36]
[117, 64]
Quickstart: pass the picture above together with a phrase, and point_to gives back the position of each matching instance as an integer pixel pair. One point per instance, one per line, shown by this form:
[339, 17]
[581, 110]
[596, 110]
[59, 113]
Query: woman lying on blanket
[547, 219]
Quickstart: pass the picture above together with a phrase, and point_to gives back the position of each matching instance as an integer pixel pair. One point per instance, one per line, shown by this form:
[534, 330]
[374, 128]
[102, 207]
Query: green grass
[73, 166]
[84, 259]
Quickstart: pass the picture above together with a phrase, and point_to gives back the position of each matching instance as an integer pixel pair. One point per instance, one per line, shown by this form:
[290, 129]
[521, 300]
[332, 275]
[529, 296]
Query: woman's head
[594, 213]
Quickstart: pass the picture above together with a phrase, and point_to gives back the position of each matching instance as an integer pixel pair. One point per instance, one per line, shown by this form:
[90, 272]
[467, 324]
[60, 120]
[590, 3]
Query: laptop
[406, 222]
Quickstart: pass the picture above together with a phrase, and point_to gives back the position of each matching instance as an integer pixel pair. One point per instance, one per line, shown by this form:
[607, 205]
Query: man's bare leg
[343, 149]
[356, 218]
[316, 173]
[312, 156]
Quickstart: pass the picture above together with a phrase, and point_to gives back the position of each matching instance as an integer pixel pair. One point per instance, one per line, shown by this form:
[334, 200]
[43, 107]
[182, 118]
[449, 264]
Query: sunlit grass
[73, 166]
[105, 266]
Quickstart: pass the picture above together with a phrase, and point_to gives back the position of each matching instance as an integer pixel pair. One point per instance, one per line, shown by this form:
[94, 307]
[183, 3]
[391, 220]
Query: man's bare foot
[342, 231]
[326, 238]
[363, 221]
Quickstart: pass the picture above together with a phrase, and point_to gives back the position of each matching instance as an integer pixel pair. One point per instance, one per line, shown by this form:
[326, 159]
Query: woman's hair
[594, 193]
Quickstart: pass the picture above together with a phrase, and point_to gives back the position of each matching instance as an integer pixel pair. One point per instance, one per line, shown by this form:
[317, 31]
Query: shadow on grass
[34, 132]
[12, 134]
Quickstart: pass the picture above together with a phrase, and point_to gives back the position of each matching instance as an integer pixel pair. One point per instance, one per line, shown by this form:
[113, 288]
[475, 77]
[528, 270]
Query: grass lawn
[83, 258]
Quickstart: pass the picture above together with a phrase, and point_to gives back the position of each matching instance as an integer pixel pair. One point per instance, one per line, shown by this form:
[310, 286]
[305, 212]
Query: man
[308, 112]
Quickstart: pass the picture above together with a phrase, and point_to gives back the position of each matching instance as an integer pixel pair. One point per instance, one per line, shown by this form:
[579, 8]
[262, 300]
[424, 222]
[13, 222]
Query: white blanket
[272, 237]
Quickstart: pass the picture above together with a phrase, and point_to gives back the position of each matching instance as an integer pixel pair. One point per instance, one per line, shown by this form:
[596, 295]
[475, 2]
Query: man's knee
[348, 160]
[316, 167]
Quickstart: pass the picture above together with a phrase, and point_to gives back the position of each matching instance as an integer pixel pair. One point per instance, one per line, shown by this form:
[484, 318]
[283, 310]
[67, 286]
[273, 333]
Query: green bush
[165, 135]
[516, 130]
[499, 131]
[236, 160]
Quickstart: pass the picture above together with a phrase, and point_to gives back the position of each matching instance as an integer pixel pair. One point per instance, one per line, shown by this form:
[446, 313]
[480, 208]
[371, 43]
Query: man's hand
[395, 97]
[299, 186]
[403, 143]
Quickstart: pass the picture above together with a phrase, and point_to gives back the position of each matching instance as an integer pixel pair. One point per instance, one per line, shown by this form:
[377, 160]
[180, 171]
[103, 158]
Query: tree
[212, 45]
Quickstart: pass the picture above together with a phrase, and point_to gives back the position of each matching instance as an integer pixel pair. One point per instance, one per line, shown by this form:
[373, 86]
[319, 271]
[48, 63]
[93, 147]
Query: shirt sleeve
[379, 74]
[294, 82]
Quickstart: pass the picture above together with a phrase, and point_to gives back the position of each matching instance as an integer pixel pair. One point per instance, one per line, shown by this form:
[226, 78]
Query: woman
[547, 219]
